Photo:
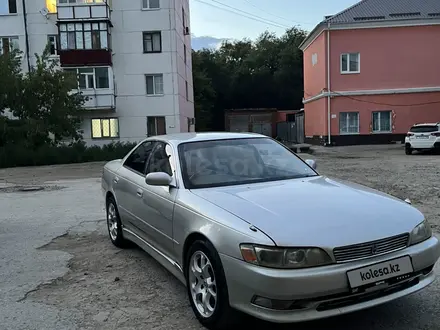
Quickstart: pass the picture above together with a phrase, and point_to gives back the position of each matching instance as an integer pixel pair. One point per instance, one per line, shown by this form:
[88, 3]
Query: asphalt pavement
[29, 220]
[48, 238]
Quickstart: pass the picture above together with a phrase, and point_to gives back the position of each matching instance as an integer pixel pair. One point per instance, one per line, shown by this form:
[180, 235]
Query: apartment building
[132, 57]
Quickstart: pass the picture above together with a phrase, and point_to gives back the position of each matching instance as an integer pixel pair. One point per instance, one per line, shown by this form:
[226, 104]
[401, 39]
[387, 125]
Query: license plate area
[379, 272]
[422, 137]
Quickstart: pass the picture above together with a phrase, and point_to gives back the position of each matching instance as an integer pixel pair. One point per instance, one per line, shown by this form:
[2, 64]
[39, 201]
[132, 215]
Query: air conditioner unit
[186, 30]
[191, 121]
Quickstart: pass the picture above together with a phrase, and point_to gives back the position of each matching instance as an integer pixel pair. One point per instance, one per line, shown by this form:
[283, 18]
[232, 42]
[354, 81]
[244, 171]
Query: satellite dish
[44, 11]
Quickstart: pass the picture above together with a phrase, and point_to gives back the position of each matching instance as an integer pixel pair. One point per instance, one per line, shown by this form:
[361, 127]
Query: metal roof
[387, 10]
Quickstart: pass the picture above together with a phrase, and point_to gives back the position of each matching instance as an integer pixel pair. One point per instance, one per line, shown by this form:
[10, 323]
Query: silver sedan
[249, 226]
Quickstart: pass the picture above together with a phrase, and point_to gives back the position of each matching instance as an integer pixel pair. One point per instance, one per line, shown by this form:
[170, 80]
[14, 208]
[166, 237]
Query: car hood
[316, 211]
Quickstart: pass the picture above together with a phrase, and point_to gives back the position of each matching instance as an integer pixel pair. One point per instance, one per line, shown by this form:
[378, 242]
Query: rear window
[424, 129]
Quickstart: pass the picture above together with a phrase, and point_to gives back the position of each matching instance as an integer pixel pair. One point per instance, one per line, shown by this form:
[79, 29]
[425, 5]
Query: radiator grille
[369, 249]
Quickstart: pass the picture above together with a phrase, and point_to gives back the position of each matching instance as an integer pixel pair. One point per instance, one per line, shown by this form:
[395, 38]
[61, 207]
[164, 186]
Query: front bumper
[322, 291]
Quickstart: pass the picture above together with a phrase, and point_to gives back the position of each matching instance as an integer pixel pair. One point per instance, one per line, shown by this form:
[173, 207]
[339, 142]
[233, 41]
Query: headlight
[420, 233]
[289, 258]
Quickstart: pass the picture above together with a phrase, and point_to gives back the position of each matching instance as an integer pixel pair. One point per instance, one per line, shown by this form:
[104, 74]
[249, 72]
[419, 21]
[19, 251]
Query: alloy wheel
[202, 283]
[112, 221]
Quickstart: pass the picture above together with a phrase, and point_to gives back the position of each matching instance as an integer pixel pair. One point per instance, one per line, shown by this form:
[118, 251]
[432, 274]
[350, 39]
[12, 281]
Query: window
[150, 4]
[101, 77]
[186, 90]
[92, 78]
[160, 159]
[105, 128]
[137, 161]
[314, 59]
[183, 19]
[8, 7]
[52, 40]
[184, 54]
[84, 35]
[156, 126]
[86, 78]
[154, 84]
[8, 44]
[350, 63]
[152, 42]
[51, 6]
[349, 122]
[382, 121]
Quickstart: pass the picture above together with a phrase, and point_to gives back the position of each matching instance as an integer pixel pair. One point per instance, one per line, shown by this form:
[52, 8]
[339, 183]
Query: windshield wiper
[301, 176]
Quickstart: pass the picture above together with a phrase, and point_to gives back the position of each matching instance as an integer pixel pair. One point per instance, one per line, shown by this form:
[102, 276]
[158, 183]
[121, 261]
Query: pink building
[372, 71]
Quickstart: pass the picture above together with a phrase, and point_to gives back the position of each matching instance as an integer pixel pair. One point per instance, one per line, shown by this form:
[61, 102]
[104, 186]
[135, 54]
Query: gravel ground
[388, 169]
[58, 269]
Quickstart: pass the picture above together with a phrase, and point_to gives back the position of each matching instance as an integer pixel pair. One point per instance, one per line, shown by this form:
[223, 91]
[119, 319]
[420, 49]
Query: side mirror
[158, 179]
[311, 163]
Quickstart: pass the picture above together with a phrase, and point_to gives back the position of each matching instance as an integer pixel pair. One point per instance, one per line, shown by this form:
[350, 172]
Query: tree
[45, 108]
[10, 79]
[204, 95]
[267, 73]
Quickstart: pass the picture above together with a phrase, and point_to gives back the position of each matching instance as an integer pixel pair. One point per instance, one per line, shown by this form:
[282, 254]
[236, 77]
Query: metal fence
[292, 131]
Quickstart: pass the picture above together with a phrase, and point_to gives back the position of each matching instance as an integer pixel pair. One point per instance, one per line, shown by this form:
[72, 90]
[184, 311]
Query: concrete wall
[404, 118]
[399, 57]
[315, 118]
[315, 66]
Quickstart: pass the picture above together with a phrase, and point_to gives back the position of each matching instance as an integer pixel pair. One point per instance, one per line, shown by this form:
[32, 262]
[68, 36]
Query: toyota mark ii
[248, 225]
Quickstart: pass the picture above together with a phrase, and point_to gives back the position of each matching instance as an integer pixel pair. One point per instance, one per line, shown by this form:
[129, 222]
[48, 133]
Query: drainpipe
[329, 141]
[26, 34]
[171, 17]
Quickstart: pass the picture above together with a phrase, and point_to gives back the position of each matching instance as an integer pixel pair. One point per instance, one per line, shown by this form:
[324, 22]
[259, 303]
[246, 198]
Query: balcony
[100, 100]
[85, 57]
[71, 10]
[85, 43]
[95, 83]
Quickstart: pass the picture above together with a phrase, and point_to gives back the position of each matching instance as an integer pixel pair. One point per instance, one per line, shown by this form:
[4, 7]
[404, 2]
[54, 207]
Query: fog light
[272, 303]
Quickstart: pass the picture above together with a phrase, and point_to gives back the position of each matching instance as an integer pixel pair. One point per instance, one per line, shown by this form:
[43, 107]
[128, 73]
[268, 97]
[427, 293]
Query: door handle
[139, 192]
[116, 179]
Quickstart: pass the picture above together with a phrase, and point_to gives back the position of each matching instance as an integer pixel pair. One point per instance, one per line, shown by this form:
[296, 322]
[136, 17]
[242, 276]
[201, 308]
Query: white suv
[423, 137]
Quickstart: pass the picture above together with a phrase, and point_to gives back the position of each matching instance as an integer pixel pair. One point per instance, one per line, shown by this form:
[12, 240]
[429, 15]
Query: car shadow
[426, 152]
[379, 317]
[398, 314]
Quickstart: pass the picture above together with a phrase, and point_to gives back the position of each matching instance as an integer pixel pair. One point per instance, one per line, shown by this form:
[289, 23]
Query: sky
[273, 15]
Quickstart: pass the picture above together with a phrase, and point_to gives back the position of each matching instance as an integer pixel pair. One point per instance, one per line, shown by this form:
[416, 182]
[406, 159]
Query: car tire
[218, 315]
[408, 151]
[114, 224]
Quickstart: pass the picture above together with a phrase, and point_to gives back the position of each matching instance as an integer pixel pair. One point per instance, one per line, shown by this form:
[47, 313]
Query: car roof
[179, 138]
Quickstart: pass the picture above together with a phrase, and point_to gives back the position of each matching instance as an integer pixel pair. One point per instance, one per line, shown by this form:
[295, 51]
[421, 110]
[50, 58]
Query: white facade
[118, 90]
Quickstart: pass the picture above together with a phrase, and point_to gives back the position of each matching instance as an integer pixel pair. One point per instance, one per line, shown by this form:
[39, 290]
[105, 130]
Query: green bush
[14, 155]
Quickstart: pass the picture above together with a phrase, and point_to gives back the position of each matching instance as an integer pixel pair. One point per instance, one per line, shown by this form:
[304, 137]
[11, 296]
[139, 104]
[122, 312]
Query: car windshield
[219, 163]
[424, 129]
